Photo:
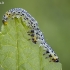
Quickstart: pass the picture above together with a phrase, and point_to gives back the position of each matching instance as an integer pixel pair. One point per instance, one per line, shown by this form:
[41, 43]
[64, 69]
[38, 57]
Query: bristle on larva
[35, 32]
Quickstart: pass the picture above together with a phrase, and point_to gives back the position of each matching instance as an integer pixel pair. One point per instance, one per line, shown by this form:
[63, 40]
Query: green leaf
[19, 53]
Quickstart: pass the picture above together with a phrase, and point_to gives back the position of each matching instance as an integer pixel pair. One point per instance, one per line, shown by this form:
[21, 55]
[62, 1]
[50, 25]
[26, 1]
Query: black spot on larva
[37, 28]
[4, 16]
[28, 22]
[47, 51]
[37, 33]
[31, 22]
[32, 31]
[55, 54]
[50, 55]
[33, 19]
[22, 11]
[41, 43]
[34, 26]
[32, 35]
[28, 15]
[48, 46]
[52, 50]
[44, 43]
[41, 35]
[41, 39]
[14, 12]
[22, 14]
[28, 34]
[26, 18]
[45, 47]
[18, 12]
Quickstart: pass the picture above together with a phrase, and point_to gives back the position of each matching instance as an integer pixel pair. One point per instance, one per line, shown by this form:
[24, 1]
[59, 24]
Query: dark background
[53, 17]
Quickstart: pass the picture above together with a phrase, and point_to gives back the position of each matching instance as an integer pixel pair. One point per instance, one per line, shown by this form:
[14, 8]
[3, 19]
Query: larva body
[35, 32]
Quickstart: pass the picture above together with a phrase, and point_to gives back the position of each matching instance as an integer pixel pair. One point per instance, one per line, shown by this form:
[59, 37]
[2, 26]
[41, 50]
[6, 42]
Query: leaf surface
[19, 53]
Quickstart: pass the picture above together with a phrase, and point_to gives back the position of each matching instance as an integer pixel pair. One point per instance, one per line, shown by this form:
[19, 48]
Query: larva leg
[33, 37]
[31, 31]
[34, 40]
[46, 52]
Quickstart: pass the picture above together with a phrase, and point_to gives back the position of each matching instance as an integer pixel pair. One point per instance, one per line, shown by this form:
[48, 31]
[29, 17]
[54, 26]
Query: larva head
[6, 16]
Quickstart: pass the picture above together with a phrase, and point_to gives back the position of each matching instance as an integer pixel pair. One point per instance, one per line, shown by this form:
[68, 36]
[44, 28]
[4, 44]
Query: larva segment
[33, 36]
[53, 57]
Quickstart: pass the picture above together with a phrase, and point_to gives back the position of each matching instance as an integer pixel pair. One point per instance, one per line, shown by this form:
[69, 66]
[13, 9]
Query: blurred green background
[53, 17]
